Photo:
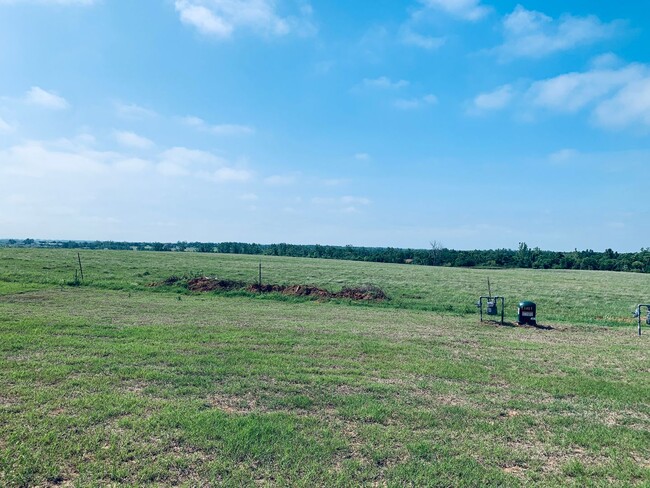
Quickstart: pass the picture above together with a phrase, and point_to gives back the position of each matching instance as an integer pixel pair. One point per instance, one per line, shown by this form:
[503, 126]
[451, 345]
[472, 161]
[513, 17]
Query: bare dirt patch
[235, 404]
[7, 401]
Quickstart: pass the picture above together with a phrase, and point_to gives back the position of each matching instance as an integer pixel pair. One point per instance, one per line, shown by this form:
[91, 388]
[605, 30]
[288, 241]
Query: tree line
[436, 255]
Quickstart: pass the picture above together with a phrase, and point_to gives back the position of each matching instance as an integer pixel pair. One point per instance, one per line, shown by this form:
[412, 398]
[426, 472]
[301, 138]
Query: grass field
[115, 382]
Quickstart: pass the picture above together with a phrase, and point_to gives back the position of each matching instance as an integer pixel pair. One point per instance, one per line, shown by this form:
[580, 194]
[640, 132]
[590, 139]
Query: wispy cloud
[218, 129]
[249, 197]
[362, 156]
[415, 103]
[133, 111]
[470, 10]
[532, 34]
[630, 106]
[384, 83]
[39, 159]
[183, 161]
[344, 204]
[617, 97]
[221, 18]
[413, 31]
[335, 182]
[410, 37]
[573, 91]
[494, 100]
[180, 161]
[5, 127]
[45, 99]
[563, 156]
[280, 180]
[227, 174]
[132, 140]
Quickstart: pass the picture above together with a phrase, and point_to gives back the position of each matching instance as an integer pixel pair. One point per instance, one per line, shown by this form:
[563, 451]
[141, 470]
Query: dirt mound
[256, 288]
[291, 290]
[365, 292]
[205, 283]
[306, 291]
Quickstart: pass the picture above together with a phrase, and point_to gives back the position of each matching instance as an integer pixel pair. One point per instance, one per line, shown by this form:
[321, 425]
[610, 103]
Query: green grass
[589, 297]
[117, 383]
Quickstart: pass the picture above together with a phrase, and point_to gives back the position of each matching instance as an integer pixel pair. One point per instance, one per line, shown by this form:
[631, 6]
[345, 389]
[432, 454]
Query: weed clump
[364, 292]
[212, 284]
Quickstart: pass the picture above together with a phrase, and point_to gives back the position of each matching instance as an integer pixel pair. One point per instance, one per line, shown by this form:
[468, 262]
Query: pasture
[116, 382]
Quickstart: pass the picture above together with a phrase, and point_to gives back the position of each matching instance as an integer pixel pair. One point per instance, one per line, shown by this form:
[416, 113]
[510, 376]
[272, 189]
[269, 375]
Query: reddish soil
[368, 292]
[207, 284]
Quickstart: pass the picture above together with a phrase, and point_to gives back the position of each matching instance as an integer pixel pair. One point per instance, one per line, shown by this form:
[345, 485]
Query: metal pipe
[638, 311]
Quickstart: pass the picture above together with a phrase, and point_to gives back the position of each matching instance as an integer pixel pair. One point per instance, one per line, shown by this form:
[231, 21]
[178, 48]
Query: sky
[473, 123]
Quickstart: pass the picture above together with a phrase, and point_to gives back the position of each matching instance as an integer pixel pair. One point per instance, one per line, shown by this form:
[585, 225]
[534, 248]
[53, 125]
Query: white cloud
[470, 10]
[222, 175]
[344, 204]
[45, 99]
[219, 129]
[606, 61]
[349, 200]
[249, 197]
[415, 103]
[182, 161]
[335, 182]
[280, 180]
[385, 83]
[573, 91]
[563, 156]
[5, 127]
[179, 161]
[205, 21]
[617, 97]
[532, 34]
[220, 18]
[494, 100]
[630, 106]
[192, 121]
[37, 159]
[132, 140]
[362, 156]
[408, 36]
[231, 129]
[133, 111]
[62, 188]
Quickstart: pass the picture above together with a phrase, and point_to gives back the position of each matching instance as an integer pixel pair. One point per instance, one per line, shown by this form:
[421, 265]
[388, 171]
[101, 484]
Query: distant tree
[524, 256]
[436, 253]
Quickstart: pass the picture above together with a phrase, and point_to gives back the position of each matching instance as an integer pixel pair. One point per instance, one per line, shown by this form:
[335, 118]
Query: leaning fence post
[81, 270]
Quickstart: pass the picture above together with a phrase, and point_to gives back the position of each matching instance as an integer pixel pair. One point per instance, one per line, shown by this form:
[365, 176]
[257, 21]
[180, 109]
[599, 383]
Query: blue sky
[478, 124]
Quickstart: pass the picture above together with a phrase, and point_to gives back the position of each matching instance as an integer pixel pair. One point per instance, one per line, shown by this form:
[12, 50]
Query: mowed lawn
[589, 297]
[114, 382]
